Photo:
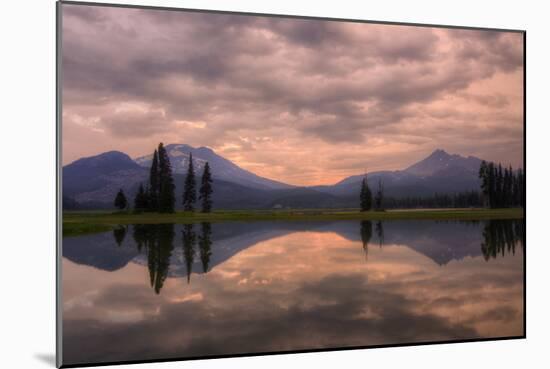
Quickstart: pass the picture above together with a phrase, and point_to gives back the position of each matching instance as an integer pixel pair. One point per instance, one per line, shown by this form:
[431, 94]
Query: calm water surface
[146, 292]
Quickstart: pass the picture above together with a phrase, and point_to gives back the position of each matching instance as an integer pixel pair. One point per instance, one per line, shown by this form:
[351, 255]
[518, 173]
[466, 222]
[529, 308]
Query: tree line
[501, 187]
[158, 195]
[380, 202]
[464, 199]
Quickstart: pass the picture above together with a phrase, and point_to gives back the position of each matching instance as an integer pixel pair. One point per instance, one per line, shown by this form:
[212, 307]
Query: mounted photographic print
[241, 184]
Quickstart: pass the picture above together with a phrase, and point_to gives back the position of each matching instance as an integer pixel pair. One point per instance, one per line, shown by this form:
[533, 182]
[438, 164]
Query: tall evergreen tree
[146, 198]
[140, 201]
[189, 191]
[167, 199]
[120, 200]
[154, 185]
[365, 196]
[492, 185]
[508, 186]
[484, 176]
[500, 186]
[205, 191]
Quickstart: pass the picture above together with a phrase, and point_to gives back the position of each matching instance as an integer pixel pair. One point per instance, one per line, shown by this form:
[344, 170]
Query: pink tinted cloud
[301, 101]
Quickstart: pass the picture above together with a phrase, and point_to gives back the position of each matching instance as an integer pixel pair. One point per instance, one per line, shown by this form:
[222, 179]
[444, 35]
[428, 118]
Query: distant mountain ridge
[440, 160]
[440, 172]
[92, 182]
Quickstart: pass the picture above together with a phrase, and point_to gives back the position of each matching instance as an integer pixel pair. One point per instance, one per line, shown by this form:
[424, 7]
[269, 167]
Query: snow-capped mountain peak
[221, 168]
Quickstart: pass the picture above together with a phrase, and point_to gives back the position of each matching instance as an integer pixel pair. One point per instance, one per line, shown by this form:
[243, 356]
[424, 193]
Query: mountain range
[92, 182]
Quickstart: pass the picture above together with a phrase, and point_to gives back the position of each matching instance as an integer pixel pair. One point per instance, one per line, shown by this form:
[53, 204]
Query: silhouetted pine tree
[154, 189]
[205, 191]
[167, 199]
[140, 203]
[484, 176]
[505, 190]
[492, 185]
[365, 197]
[189, 191]
[508, 187]
[146, 198]
[500, 187]
[120, 200]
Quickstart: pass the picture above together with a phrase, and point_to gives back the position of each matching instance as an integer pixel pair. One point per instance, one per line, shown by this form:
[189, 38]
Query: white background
[27, 180]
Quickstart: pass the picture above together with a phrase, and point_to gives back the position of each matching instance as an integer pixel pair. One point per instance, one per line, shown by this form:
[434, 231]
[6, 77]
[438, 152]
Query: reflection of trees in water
[379, 228]
[142, 233]
[159, 255]
[189, 238]
[502, 236]
[158, 242]
[498, 236]
[366, 235]
[119, 233]
[205, 245]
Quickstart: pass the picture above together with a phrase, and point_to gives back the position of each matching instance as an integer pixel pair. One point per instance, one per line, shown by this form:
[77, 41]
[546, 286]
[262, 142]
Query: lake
[143, 292]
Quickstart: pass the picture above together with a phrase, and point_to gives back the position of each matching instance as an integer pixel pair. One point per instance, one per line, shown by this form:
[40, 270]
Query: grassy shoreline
[79, 223]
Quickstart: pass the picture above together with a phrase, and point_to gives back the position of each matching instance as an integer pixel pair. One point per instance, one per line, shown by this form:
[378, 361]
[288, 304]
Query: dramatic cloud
[301, 101]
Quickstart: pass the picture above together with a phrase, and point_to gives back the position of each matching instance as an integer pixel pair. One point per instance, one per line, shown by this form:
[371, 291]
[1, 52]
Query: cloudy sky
[300, 101]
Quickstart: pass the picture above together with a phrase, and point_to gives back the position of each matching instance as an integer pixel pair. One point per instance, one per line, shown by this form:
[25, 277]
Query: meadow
[84, 222]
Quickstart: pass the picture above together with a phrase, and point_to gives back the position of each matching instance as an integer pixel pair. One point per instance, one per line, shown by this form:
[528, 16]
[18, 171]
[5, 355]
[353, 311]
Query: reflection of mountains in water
[100, 250]
[440, 241]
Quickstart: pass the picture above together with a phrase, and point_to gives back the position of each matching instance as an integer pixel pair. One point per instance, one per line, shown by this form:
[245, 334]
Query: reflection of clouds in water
[200, 329]
[304, 290]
